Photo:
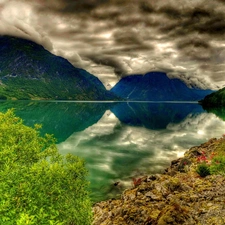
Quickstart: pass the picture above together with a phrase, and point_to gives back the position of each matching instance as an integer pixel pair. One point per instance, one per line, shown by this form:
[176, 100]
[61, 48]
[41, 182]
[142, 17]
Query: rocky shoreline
[179, 196]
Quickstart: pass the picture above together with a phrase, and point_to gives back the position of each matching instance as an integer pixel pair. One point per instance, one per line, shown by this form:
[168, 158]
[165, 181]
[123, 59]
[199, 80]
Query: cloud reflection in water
[115, 151]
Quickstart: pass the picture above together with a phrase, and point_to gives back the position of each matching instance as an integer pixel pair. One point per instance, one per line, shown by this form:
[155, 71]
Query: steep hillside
[28, 71]
[215, 99]
[156, 86]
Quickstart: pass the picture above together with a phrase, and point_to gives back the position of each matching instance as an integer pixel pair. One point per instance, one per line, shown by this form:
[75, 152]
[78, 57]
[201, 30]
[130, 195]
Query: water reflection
[59, 118]
[118, 151]
[120, 141]
[220, 111]
[154, 115]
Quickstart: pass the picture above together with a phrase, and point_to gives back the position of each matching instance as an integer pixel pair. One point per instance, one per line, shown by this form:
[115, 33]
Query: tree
[37, 184]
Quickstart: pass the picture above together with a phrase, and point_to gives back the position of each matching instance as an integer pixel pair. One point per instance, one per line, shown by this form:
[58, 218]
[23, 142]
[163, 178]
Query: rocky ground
[179, 196]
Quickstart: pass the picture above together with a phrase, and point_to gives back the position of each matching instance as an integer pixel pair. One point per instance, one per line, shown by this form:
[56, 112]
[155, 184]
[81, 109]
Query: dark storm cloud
[171, 12]
[127, 37]
[223, 1]
[110, 61]
[215, 26]
[146, 7]
[106, 14]
[198, 43]
[196, 49]
[84, 5]
[200, 20]
[69, 6]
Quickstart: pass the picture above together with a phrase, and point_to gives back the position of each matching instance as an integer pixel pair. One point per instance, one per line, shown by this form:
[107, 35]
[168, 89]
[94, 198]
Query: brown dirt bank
[179, 196]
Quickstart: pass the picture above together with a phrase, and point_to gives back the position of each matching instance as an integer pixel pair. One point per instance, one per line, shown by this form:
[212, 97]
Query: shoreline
[178, 196]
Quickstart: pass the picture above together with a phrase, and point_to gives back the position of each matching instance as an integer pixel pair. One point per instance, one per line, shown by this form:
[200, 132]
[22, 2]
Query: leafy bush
[37, 184]
[2, 97]
[203, 169]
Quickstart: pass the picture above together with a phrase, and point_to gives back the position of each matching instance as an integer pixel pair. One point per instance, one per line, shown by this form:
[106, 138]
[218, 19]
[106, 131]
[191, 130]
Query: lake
[121, 140]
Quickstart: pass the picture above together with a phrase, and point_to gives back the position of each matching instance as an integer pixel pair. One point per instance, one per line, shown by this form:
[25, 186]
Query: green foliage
[37, 184]
[25, 88]
[215, 99]
[220, 148]
[2, 97]
[203, 169]
[218, 165]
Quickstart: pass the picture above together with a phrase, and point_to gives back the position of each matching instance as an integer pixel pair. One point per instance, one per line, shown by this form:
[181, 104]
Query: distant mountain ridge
[28, 71]
[156, 86]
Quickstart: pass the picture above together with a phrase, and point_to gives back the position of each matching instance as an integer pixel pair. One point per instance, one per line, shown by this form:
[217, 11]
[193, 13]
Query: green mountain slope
[28, 71]
[215, 99]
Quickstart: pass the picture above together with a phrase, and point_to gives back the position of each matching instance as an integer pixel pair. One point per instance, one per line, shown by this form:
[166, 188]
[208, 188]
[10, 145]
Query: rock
[184, 165]
[129, 194]
[153, 196]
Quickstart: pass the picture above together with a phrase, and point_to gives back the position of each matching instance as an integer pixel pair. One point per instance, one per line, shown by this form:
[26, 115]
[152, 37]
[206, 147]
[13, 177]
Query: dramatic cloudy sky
[114, 38]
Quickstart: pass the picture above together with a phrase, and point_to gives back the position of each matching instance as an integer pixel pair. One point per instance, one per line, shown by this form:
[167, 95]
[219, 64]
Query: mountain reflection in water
[121, 140]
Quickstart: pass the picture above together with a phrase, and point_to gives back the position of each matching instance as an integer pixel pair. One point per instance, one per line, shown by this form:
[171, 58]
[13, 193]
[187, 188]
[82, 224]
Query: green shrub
[2, 97]
[37, 184]
[218, 165]
[203, 169]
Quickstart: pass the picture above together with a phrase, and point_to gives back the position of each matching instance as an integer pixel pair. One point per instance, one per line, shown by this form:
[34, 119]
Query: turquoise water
[121, 140]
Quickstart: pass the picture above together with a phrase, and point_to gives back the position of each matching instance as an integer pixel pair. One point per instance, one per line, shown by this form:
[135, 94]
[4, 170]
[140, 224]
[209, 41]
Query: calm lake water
[121, 140]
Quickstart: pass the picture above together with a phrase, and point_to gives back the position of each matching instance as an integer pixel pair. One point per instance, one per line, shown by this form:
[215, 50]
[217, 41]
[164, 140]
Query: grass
[213, 163]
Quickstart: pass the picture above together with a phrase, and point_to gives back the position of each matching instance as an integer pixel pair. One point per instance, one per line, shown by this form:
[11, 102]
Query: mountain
[28, 71]
[156, 86]
[215, 99]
